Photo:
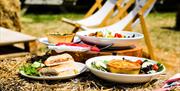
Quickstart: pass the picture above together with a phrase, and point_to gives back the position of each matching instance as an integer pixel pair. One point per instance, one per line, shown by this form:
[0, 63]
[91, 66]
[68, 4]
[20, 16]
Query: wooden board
[83, 56]
[10, 37]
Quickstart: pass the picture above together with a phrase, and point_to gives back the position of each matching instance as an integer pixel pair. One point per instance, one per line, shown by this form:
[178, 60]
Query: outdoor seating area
[116, 45]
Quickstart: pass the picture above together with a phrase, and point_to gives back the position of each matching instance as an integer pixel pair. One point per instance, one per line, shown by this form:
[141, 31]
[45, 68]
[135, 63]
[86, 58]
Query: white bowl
[117, 42]
[122, 78]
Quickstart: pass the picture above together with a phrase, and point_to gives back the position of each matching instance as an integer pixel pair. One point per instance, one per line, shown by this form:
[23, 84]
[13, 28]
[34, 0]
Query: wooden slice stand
[128, 51]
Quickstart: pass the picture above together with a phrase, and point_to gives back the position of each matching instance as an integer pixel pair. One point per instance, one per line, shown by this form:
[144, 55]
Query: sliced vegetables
[100, 65]
[149, 67]
[108, 34]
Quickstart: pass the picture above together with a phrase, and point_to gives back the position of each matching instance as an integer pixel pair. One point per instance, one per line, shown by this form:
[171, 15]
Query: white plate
[80, 67]
[45, 40]
[117, 42]
[63, 48]
[122, 78]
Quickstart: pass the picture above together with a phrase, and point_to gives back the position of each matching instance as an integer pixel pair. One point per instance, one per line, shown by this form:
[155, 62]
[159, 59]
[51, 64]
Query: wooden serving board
[130, 51]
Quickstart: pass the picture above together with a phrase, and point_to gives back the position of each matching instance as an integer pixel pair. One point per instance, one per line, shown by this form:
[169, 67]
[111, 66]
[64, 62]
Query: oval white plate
[122, 78]
[80, 67]
[44, 40]
[63, 48]
[117, 42]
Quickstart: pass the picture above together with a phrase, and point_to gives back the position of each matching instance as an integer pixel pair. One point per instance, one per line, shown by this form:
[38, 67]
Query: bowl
[116, 42]
[122, 78]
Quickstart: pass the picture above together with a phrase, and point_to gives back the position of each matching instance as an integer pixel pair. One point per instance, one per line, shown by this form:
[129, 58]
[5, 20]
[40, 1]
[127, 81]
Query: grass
[39, 18]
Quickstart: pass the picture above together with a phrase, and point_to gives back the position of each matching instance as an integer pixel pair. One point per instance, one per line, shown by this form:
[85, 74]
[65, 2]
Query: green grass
[35, 18]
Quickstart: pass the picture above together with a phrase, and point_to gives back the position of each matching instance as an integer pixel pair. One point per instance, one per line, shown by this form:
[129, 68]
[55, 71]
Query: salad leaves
[100, 65]
[32, 69]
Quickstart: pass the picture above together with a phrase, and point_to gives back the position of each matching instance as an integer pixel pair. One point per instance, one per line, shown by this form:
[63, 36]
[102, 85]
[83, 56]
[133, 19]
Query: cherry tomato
[117, 35]
[155, 67]
[139, 62]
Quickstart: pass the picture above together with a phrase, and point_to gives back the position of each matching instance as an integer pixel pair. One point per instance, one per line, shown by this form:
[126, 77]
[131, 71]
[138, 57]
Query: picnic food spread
[63, 65]
[59, 65]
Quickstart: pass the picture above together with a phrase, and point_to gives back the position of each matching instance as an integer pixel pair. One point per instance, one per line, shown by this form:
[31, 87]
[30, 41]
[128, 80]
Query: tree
[178, 18]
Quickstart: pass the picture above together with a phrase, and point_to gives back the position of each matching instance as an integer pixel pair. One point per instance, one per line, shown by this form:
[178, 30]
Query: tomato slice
[139, 62]
[155, 67]
[95, 49]
[117, 35]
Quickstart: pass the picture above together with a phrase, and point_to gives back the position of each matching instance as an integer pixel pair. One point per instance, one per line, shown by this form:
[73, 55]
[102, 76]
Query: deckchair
[141, 9]
[100, 17]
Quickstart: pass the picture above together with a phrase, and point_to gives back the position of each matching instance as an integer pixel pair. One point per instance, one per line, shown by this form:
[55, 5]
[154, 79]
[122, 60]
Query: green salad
[32, 68]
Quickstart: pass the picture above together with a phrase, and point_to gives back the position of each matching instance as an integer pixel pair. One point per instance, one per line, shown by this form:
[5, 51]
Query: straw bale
[9, 14]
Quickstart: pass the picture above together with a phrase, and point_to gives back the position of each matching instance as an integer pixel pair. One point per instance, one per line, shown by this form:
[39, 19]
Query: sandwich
[59, 70]
[58, 59]
[59, 65]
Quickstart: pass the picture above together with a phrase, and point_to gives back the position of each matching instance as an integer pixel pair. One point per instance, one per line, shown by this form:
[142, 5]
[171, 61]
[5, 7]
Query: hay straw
[10, 80]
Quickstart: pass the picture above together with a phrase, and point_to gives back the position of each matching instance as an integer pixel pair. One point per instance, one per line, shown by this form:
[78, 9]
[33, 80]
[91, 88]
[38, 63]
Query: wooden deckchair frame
[122, 12]
[145, 30]
[140, 15]
[120, 15]
[143, 24]
[96, 5]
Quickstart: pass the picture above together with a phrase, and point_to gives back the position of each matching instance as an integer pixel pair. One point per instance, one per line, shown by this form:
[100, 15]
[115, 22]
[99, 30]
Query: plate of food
[55, 38]
[57, 67]
[125, 69]
[105, 37]
[61, 47]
